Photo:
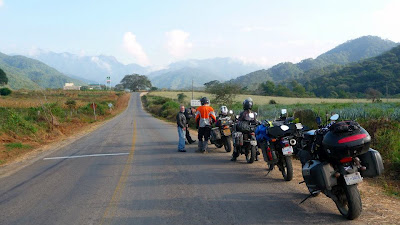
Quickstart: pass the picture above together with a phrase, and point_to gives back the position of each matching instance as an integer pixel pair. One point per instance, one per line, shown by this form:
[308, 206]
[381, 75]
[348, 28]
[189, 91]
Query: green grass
[17, 145]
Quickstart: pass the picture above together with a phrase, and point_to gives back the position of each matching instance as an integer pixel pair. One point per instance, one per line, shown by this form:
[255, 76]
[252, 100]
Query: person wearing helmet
[223, 113]
[205, 116]
[245, 117]
[247, 106]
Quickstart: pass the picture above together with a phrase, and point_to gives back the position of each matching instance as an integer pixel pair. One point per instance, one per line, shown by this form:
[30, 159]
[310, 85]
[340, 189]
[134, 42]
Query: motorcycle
[279, 148]
[244, 138]
[222, 134]
[335, 159]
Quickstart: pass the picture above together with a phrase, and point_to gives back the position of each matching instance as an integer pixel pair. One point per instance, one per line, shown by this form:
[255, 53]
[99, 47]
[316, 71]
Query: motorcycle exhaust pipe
[293, 142]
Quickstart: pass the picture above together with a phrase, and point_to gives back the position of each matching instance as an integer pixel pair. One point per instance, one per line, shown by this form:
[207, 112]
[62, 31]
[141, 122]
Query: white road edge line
[82, 156]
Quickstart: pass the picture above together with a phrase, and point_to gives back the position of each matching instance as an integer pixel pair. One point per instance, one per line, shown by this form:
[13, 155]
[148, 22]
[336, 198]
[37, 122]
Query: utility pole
[192, 88]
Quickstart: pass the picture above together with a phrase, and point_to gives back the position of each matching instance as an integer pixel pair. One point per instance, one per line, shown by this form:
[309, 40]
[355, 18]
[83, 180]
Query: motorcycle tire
[287, 168]
[349, 201]
[228, 144]
[251, 156]
[218, 145]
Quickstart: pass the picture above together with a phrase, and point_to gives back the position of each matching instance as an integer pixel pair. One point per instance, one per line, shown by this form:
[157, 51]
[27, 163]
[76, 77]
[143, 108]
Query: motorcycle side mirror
[334, 117]
[319, 121]
[283, 111]
[251, 115]
[230, 112]
[284, 127]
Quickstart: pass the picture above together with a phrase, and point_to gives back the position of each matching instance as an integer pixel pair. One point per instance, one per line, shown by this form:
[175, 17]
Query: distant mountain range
[176, 75]
[179, 75]
[351, 51]
[94, 69]
[27, 73]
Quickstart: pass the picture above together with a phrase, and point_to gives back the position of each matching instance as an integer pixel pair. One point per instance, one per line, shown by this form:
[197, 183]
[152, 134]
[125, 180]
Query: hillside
[182, 78]
[377, 73]
[350, 51]
[26, 73]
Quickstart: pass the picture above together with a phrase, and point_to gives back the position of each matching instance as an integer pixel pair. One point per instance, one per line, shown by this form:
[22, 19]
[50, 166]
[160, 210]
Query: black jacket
[188, 115]
[181, 120]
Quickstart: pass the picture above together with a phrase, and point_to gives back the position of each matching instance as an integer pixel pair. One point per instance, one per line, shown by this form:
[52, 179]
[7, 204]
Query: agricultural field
[262, 100]
[30, 119]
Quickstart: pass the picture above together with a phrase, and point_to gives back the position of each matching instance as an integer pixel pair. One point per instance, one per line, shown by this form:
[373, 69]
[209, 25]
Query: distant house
[95, 87]
[71, 86]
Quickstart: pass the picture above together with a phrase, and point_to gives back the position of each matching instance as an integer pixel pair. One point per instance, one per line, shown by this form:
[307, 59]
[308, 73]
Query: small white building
[71, 86]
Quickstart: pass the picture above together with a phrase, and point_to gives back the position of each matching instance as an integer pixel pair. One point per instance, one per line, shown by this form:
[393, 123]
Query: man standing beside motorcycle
[205, 116]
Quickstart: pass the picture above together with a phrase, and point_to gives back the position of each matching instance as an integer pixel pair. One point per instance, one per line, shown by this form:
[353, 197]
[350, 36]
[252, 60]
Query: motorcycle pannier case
[215, 134]
[319, 176]
[346, 139]
[373, 161]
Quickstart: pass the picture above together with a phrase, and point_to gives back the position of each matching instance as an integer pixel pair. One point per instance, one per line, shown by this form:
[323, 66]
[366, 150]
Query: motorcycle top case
[373, 161]
[319, 176]
[215, 133]
[277, 132]
[346, 139]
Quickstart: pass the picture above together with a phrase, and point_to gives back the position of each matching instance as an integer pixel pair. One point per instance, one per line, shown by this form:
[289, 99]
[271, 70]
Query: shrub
[272, 101]
[5, 91]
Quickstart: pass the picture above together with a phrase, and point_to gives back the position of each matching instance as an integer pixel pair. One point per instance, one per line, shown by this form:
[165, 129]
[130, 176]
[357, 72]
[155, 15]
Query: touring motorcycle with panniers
[335, 158]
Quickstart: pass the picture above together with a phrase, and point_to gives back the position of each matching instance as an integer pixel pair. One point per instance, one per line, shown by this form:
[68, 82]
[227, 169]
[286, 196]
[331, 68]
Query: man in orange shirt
[205, 116]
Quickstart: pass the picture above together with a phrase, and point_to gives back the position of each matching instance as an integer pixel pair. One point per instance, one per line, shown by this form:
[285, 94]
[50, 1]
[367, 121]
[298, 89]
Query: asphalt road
[148, 182]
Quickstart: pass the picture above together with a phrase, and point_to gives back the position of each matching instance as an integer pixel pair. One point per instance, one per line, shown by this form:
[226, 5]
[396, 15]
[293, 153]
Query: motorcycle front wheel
[287, 168]
[349, 201]
[251, 156]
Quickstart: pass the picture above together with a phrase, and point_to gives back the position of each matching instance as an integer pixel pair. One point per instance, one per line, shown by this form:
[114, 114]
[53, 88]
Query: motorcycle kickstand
[309, 196]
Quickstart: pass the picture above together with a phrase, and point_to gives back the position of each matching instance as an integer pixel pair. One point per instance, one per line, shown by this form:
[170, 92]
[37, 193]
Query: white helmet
[224, 110]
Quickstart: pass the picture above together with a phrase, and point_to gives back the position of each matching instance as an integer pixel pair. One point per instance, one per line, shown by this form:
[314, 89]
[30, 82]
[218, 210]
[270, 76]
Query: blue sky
[156, 33]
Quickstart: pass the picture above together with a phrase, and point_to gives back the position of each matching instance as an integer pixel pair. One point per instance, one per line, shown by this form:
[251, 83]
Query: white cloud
[387, 20]
[1, 3]
[101, 63]
[135, 49]
[177, 43]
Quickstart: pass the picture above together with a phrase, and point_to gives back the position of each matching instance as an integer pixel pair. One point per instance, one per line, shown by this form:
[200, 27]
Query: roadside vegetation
[29, 119]
[381, 120]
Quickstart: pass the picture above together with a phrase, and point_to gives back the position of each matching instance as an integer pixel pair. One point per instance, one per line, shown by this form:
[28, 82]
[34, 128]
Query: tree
[224, 92]
[136, 82]
[181, 97]
[267, 88]
[3, 77]
[119, 87]
[373, 94]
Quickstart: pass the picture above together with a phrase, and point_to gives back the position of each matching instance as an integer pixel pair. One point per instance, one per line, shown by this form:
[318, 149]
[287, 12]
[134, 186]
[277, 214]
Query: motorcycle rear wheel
[228, 144]
[251, 156]
[349, 202]
[287, 168]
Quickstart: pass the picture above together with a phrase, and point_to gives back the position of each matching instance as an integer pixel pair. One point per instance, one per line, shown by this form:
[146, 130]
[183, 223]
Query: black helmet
[204, 100]
[247, 103]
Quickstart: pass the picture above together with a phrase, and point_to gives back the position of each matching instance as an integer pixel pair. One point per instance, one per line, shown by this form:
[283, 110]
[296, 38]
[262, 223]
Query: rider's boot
[205, 146]
[199, 146]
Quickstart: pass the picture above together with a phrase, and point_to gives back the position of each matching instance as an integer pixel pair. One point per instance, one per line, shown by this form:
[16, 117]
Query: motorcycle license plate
[353, 178]
[254, 143]
[227, 132]
[287, 150]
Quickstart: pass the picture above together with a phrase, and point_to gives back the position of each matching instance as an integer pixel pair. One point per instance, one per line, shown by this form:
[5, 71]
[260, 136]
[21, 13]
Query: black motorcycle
[222, 134]
[279, 149]
[335, 159]
[244, 139]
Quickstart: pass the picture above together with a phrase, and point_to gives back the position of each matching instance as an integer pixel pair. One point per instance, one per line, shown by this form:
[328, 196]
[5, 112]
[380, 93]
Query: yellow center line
[111, 208]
